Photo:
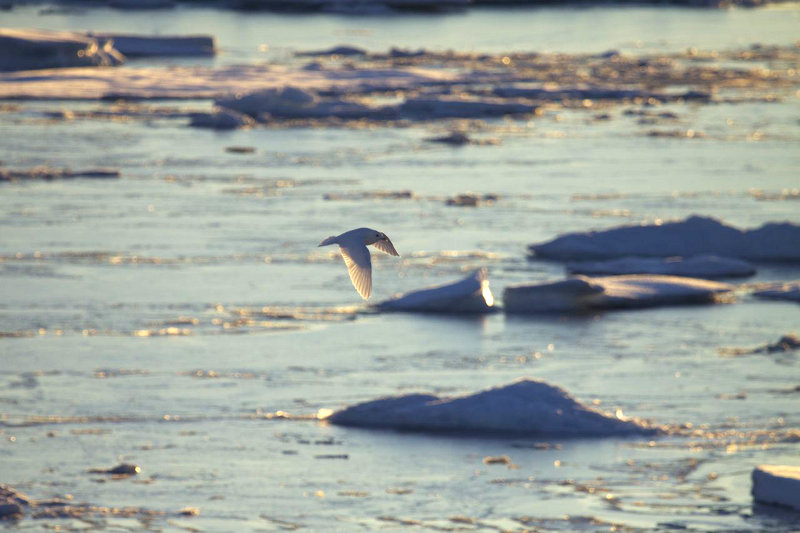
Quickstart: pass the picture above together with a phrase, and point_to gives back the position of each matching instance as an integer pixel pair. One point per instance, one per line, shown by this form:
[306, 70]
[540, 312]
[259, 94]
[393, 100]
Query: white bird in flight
[353, 246]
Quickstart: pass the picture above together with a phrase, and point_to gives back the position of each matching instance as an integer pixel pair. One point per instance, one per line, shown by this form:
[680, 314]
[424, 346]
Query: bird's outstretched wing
[359, 266]
[386, 247]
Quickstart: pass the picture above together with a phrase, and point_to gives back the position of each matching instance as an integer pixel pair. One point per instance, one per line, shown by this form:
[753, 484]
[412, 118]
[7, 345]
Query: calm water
[222, 248]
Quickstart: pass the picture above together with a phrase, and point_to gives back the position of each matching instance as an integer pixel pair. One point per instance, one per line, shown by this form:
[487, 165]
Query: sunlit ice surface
[181, 318]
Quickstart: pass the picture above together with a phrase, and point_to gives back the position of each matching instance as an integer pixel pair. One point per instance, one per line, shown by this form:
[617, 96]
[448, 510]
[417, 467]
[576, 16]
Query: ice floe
[451, 107]
[469, 295]
[693, 236]
[195, 82]
[220, 119]
[28, 49]
[524, 407]
[158, 45]
[583, 294]
[777, 485]
[25, 49]
[699, 266]
[779, 291]
[295, 103]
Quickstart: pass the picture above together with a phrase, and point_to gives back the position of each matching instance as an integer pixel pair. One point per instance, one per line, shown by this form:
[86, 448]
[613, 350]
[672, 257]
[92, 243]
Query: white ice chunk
[780, 291]
[524, 407]
[159, 45]
[699, 266]
[584, 294]
[692, 236]
[23, 49]
[469, 295]
[777, 485]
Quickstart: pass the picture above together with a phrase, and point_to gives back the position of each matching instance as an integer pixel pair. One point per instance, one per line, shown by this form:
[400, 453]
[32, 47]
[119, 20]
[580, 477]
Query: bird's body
[353, 246]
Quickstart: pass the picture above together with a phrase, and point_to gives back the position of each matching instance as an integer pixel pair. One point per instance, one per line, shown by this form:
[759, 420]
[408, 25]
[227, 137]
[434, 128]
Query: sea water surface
[182, 318]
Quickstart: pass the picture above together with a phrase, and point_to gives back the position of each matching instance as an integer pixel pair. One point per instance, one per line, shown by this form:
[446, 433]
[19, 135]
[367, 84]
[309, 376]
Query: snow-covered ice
[193, 82]
[468, 295]
[631, 291]
[693, 236]
[26, 49]
[699, 266]
[789, 290]
[524, 407]
[295, 103]
[777, 485]
[158, 45]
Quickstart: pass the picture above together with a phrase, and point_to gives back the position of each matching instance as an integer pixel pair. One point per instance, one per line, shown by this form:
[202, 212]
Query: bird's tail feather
[329, 240]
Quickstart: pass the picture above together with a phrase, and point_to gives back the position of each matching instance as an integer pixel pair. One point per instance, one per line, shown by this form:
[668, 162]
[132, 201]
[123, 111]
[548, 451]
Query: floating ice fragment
[524, 407]
[454, 138]
[220, 119]
[692, 236]
[275, 101]
[335, 51]
[426, 108]
[25, 49]
[584, 294]
[469, 295]
[700, 266]
[780, 291]
[777, 485]
[158, 45]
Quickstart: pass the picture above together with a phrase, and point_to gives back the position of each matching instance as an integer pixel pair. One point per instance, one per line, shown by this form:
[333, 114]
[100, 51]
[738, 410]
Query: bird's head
[373, 236]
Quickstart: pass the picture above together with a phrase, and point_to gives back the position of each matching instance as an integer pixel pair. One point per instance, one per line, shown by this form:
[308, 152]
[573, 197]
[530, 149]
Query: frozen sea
[182, 318]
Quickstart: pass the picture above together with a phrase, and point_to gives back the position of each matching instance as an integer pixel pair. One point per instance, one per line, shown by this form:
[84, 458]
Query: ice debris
[468, 295]
[777, 485]
[470, 199]
[50, 174]
[704, 266]
[693, 236]
[581, 293]
[787, 343]
[524, 407]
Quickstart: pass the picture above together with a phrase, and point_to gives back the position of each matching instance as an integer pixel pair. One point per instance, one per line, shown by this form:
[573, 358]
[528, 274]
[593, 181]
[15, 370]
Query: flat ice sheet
[699, 266]
[583, 293]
